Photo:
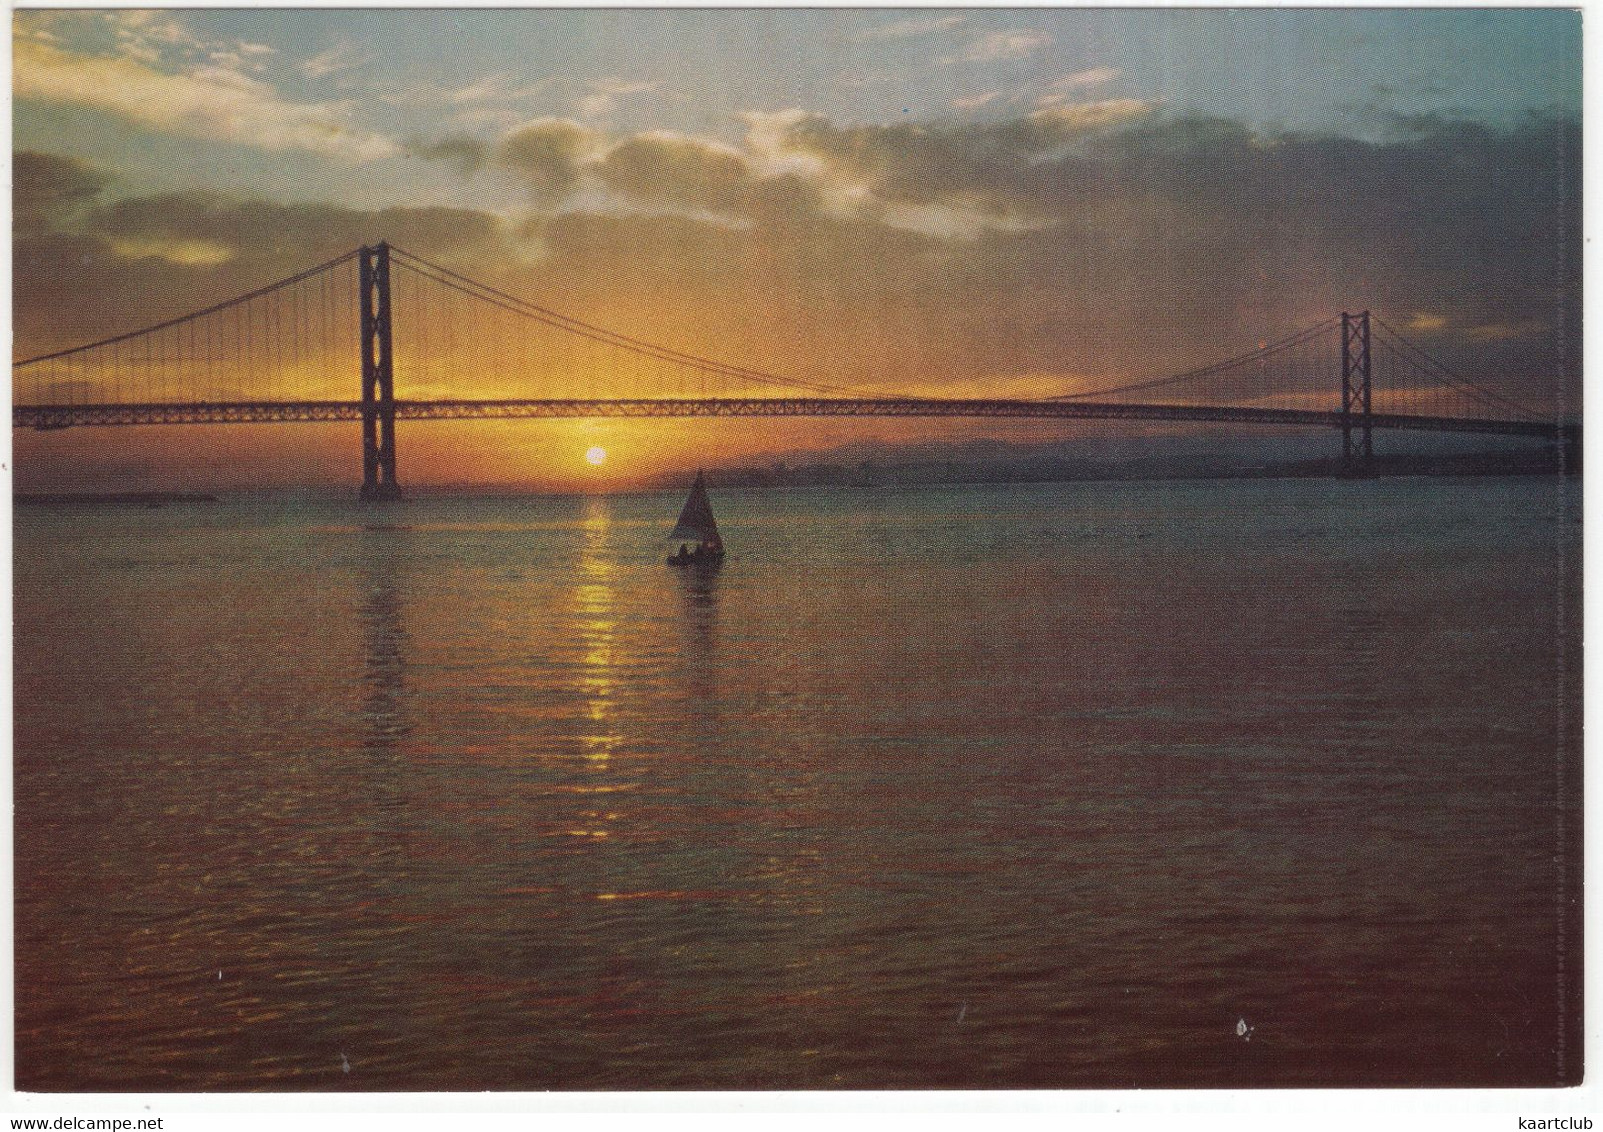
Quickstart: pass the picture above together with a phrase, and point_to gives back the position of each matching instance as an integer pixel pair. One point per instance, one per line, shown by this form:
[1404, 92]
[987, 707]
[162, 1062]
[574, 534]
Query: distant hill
[1152, 458]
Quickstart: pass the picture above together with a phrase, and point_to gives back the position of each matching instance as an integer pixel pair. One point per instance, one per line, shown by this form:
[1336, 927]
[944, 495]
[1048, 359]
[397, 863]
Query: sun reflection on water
[595, 626]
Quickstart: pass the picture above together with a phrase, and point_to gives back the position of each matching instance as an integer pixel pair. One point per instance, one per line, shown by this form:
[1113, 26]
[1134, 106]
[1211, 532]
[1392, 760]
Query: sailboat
[697, 530]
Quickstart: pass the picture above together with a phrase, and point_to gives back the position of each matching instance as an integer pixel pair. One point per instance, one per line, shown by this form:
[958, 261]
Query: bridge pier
[378, 379]
[1569, 449]
[1356, 456]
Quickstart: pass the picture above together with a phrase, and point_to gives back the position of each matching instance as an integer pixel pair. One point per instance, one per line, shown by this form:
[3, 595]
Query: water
[1207, 783]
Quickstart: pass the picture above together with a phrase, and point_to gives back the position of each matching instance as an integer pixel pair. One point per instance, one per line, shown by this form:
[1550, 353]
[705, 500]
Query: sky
[942, 200]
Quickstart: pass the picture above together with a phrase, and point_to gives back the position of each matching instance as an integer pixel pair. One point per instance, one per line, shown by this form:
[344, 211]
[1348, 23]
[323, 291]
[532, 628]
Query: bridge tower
[378, 378]
[1355, 391]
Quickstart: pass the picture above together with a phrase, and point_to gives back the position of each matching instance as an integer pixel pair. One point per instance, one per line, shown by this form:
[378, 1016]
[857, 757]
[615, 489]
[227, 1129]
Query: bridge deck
[264, 412]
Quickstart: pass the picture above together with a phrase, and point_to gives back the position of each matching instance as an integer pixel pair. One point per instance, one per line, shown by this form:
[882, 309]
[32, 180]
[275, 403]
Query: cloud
[147, 35]
[155, 257]
[546, 155]
[209, 101]
[184, 253]
[497, 88]
[46, 189]
[556, 158]
[1179, 221]
[976, 101]
[977, 175]
[943, 182]
[1061, 90]
[1100, 241]
[342, 56]
[605, 93]
[495, 100]
[664, 165]
[1094, 76]
[1507, 331]
[158, 39]
[768, 142]
[1082, 116]
[268, 232]
[908, 28]
[1000, 46]
[467, 153]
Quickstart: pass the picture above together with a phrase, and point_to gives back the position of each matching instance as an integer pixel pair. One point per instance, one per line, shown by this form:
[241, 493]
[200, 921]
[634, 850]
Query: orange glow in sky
[987, 204]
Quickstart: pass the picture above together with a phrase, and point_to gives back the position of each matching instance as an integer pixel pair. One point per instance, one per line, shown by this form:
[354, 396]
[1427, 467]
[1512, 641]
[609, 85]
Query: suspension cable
[1286, 343]
[519, 306]
[1459, 381]
[192, 315]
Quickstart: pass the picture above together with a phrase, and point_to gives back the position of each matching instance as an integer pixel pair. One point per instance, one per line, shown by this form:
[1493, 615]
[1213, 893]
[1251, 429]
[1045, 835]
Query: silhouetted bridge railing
[268, 412]
[274, 355]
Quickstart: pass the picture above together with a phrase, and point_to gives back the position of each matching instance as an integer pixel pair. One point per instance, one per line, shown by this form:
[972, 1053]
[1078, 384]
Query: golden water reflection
[698, 593]
[384, 654]
[594, 617]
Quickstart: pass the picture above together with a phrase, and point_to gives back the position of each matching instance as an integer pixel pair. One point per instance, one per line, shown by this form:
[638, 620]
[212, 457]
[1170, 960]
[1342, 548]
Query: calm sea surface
[1202, 783]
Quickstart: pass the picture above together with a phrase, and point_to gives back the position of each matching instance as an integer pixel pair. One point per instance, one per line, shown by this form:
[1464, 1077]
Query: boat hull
[696, 559]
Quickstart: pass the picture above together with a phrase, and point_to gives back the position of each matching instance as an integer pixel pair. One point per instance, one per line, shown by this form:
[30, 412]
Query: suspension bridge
[285, 352]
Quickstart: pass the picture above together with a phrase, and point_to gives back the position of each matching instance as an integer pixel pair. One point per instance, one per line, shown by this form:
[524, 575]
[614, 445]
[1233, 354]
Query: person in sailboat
[702, 544]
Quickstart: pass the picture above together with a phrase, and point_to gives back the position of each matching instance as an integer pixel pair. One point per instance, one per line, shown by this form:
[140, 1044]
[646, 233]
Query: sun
[597, 456]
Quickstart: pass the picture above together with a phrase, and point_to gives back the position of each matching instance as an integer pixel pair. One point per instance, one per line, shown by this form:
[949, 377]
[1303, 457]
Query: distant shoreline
[927, 473]
[109, 498]
[962, 473]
